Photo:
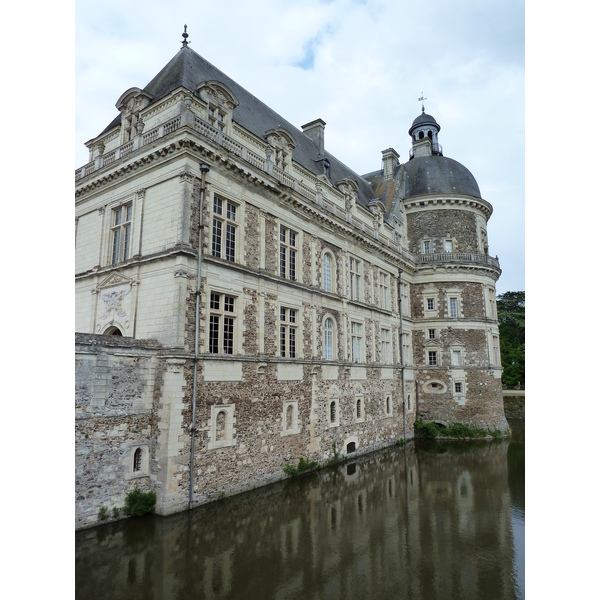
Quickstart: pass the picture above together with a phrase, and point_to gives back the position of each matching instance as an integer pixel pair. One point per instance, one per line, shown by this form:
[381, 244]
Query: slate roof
[438, 175]
[187, 68]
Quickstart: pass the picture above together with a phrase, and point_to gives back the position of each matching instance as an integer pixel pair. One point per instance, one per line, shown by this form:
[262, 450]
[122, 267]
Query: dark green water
[439, 520]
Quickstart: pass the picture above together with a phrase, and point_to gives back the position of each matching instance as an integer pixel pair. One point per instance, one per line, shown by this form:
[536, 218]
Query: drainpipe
[204, 169]
[401, 349]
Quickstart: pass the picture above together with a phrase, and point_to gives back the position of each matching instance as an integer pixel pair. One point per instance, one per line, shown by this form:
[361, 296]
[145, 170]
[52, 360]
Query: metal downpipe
[204, 169]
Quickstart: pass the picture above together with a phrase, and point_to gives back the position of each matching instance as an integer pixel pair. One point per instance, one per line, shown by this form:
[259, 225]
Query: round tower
[455, 342]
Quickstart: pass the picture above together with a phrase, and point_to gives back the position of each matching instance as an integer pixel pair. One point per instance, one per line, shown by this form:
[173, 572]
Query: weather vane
[185, 37]
[421, 100]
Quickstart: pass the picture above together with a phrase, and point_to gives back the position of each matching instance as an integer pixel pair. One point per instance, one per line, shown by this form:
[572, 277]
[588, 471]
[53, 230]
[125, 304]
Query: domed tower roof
[423, 120]
[436, 174]
[428, 171]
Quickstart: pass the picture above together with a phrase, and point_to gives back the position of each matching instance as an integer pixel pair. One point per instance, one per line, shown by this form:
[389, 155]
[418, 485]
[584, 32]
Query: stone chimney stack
[390, 162]
[315, 130]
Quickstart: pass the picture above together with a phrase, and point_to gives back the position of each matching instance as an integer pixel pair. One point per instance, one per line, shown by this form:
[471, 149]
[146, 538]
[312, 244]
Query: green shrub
[116, 512]
[303, 465]
[139, 503]
[103, 513]
[427, 430]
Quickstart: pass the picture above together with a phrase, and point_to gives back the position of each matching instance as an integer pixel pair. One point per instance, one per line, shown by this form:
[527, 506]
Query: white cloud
[358, 65]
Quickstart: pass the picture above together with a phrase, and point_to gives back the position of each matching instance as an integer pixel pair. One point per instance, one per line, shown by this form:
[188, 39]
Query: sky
[360, 65]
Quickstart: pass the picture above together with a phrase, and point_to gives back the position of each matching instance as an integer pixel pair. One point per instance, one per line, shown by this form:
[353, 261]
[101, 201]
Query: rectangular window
[448, 245]
[354, 279]
[430, 304]
[121, 233]
[221, 321]
[383, 290]
[224, 229]
[453, 308]
[287, 332]
[385, 347]
[496, 348]
[456, 358]
[406, 348]
[405, 299]
[458, 387]
[432, 358]
[426, 247]
[432, 334]
[287, 253]
[356, 335]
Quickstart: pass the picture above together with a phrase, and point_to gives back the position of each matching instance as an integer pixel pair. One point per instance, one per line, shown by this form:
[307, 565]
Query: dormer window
[220, 102]
[131, 103]
[282, 144]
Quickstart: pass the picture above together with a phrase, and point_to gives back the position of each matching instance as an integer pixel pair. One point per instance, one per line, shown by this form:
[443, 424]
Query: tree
[511, 322]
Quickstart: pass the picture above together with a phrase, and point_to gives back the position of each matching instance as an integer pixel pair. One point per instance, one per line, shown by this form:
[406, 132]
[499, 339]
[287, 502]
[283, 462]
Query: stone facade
[283, 337]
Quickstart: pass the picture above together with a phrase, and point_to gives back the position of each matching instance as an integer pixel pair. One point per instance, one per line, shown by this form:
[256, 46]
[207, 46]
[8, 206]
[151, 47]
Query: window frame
[328, 272]
[335, 403]
[356, 341]
[433, 358]
[384, 287]
[288, 332]
[355, 275]
[386, 346]
[121, 233]
[228, 438]
[228, 225]
[329, 345]
[288, 252]
[220, 316]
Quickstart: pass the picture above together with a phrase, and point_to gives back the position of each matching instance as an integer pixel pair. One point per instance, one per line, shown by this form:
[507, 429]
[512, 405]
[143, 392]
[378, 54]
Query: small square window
[458, 387]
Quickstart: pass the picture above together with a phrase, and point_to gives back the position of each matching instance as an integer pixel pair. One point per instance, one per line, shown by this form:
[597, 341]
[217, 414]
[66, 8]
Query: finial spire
[421, 100]
[185, 37]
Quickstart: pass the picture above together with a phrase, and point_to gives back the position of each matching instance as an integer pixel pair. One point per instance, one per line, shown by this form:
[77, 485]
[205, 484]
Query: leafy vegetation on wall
[511, 319]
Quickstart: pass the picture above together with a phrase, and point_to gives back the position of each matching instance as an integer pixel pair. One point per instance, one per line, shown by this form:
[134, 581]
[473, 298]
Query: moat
[433, 520]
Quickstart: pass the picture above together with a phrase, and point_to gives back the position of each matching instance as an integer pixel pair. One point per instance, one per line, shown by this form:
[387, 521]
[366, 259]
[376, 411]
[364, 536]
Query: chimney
[315, 130]
[390, 162]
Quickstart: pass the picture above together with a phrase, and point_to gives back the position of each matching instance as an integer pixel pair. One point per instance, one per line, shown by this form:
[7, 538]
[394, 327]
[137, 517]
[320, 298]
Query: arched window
[332, 414]
[327, 272]
[137, 460]
[114, 330]
[328, 339]
[359, 408]
[220, 430]
[289, 417]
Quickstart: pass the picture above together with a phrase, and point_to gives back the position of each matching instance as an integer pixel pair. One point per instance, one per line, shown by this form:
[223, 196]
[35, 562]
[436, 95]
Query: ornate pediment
[114, 279]
[217, 94]
[133, 100]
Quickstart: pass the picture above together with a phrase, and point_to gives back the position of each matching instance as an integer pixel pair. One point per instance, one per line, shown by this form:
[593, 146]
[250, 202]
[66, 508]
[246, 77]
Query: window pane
[231, 211]
[230, 243]
[282, 261]
[216, 245]
[127, 232]
[293, 265]
[213, 335]
[228, 335]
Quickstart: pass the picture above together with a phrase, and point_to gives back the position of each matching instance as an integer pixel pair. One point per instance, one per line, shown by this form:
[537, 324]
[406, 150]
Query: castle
[244, 299]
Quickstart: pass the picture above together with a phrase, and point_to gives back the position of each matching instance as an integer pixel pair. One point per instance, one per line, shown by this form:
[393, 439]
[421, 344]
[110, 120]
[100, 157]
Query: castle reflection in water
[427, 521]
